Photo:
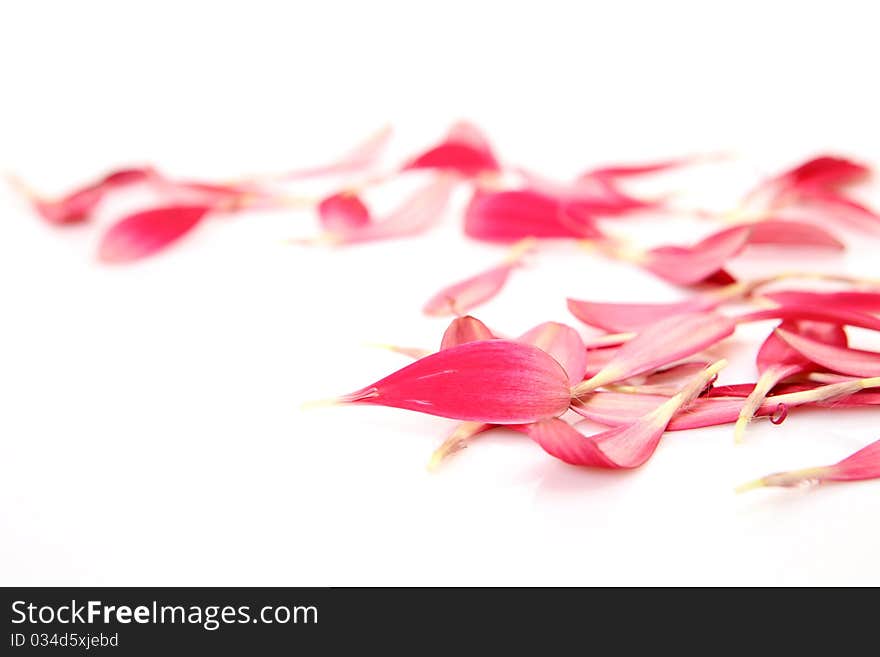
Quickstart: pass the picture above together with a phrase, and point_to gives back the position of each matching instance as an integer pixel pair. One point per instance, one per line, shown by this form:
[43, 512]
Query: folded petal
[627, 446]
[417, 214]
[834, 357]
[690, 265]
[493, 382]
[342, 213]
[463, 330]
[662, 343]
[465, 151]
[461, 297]
[863, 465]
[564, 344]
[149, 231]
[512, 215]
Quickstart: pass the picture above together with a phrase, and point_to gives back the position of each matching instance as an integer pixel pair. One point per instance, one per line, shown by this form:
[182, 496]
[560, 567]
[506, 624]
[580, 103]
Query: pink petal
[793, 233]
[627, 446]
[863, 302]
[420, 212]
[625, 317]
[837, 206]
[493, 381]
[824, 171]
[461, 297]
[815, 314]
[464, 151]
[662, 343]
[690, 265]
[564, 344]
[512, 215]
[836, 358]
[463, 330]
[342, 213]
[863, 465]
[363, 156]
[144, 233]
[632, 170]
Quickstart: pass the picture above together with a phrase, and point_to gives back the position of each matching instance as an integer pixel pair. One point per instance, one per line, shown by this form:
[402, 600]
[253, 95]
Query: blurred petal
[863, 302]
[149, 231]
[343, 212]
[464, 151]
[690, 265]
[793, 233]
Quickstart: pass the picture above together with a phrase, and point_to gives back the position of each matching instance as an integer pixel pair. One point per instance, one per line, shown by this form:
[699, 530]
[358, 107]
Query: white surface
[149, 421]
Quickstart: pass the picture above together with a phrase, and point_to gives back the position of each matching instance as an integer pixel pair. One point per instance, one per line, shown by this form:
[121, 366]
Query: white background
[150, 423]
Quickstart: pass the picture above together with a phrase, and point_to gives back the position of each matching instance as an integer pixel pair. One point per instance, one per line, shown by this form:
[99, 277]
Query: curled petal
[471, 292]
[626, 446]
[417, 214]
[660, 344]
[836, 358]
[564, 344]
[78, 205]
[343, 212]
[690, 265]
[493, 382]
[863, 465]
[149, 231]
[463, 330]
[512, 215]
[464, 151]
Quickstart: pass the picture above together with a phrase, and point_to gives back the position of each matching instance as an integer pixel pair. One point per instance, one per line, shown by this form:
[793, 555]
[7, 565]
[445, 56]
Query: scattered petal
[363, 156]
[863, 302]
[564, 344]
[779, 232]
[342, 213]
[863, 465]
[461, 297]
[149, 231]
[464, 151]
[463, 330]
[690, 265]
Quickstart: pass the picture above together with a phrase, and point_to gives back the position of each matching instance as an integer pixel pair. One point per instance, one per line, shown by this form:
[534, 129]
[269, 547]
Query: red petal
[464, 151]
[660, 344]
[342, 213]
[513, 215]
[690, 265]
[564, 344]
[493, 381]
[146, 232]
[463, 330]
[824, 171]
[836, 358]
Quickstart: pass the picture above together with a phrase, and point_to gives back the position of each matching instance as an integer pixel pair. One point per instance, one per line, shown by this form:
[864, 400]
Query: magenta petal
[564, 344]
[841, 359]
[144, 233]
[662, 343]
[463, 330]
[690, 265]
[493, 381]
